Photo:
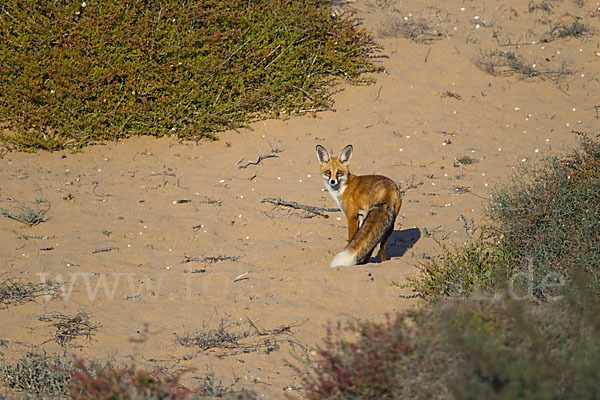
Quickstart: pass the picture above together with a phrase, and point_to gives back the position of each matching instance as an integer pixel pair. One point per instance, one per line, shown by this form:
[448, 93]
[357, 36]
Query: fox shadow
[399, 242]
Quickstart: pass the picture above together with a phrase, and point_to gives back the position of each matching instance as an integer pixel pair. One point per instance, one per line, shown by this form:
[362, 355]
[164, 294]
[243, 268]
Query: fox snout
[333, 182]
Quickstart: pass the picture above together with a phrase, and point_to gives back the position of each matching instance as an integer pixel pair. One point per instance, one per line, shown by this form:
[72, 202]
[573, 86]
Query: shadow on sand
[399, 242]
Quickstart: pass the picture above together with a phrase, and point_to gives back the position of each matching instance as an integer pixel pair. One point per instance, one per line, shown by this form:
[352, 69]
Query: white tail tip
[343, 259]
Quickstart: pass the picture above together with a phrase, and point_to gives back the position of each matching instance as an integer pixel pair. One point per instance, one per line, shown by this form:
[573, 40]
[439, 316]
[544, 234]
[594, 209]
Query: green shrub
[466, 160]
[75, 72]
[522, 350]
[461, 270]
[549, 217]
[543, 227]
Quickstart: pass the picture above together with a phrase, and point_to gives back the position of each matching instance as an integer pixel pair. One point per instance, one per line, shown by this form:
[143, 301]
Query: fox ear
[322, 154]
[346, 154]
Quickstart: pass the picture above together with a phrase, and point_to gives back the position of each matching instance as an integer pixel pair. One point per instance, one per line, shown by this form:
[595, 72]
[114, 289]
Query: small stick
[258, 160]
[427, 56]
[239, 277]
[378, 93]
[161, 173]
[293, 204]
[95, 186]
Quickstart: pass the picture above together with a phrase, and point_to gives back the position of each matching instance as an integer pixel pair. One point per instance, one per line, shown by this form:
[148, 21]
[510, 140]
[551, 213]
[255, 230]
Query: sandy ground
[148, 235]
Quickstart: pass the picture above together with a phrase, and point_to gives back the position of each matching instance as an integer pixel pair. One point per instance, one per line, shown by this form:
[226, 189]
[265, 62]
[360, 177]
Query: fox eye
[328, 173]
[340, 173]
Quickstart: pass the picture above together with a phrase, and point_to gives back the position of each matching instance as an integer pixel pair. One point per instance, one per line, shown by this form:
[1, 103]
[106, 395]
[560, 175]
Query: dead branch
[293, 204]
[258, 160]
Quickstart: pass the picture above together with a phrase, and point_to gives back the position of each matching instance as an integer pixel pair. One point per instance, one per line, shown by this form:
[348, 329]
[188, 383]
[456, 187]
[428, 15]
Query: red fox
[370, 202]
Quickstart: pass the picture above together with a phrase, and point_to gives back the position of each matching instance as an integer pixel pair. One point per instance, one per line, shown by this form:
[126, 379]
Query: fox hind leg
[384, 239]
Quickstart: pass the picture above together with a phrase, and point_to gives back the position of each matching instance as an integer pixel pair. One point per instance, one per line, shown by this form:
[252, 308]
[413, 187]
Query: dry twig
[258, 160]
[293, 204]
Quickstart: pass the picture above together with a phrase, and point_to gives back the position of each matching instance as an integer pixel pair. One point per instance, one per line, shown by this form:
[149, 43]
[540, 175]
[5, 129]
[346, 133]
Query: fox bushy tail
[379, 220]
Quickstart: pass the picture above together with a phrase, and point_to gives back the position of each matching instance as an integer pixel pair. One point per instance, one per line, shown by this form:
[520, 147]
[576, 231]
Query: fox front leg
[352, 225]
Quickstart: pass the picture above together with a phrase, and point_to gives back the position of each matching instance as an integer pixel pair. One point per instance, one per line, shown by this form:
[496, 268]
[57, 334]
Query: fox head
[334, 169]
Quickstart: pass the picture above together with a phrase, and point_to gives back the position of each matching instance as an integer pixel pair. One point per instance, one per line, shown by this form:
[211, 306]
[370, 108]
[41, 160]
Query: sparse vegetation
[548, 219]
[544, 5]
[467, 348]
[127, 382]
[544, 225]
[472, 347]
[417, 30]
[16, 292]
[466, 160]
[69, 328]
[508, 63]
[230, 339]
[40, 375]
[29, 216]
[452, 94]
[75, 73]
[37, 373]
[459, 271]
[368, 368]
[222, 336]
[562, 30]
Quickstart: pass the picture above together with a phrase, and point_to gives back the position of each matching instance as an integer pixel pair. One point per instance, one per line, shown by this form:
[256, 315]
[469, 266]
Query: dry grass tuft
[69, 328]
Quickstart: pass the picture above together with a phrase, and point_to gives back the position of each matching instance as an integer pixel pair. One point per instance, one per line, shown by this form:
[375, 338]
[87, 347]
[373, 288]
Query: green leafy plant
[543, 226]
[29, 216]
[460, 270]
[466, 160]
[75, 72]
[548, 219]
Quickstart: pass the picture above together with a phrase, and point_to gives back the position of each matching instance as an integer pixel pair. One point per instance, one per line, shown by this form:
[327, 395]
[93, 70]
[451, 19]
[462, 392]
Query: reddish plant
[127, 382]
[365, 368]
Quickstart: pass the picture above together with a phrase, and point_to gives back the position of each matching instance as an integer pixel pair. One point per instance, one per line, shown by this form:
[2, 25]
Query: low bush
[75, 72]
[548, 218]
[389, 360]
[39, 375]
[460, 270]
[363, 369]
[496, 348]
[543, 227]
[123, 383]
